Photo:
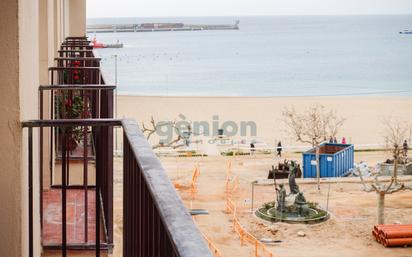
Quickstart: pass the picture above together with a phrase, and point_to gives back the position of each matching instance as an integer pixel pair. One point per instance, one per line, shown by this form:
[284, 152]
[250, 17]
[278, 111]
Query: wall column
[46, 55]
[20, 79]
[10, 132]
[77, 18]
[28, 58]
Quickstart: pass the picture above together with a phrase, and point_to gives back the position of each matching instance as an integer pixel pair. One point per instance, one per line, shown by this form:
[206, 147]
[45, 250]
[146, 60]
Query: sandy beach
[347, 232]
[363, 126]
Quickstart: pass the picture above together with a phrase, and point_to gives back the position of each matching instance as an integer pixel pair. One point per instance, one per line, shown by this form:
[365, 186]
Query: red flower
[76, 72]
[76, 66]
[68, 102]
[77, 62]
[86, 114]
[76, 77]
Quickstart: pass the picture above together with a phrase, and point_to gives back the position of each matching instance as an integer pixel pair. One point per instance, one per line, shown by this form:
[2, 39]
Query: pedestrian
[335, 141]
[252, 148]
[279, 149]
[405, 148]
[344, 140]
[331, 140]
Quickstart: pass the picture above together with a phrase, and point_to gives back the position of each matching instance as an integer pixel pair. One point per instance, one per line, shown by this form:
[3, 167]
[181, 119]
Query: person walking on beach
[335, 141]
[331, 140]
[279, 149]
[405, 148]
[252, 148]
[344, 140]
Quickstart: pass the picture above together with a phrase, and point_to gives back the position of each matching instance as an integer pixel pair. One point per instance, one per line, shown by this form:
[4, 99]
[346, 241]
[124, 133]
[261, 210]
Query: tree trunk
[317, 166]
[381, 208]
[395, 169]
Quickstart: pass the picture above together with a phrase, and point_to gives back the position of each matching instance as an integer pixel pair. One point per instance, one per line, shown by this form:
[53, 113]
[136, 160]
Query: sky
[161, 8]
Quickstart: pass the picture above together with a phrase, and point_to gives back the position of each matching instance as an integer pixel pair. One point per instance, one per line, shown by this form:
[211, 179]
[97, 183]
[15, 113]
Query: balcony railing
[97, 103]
[77, 91]
[83, 61]
[155, 221]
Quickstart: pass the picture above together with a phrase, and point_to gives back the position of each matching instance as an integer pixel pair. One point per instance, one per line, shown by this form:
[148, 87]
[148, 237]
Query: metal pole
[115, 101]
[276, 187]
[253, 194]
[327, 200]
[64, 193]
[30, 183]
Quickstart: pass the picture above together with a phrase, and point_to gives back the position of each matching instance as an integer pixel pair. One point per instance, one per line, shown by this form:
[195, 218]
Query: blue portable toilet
[335, 160]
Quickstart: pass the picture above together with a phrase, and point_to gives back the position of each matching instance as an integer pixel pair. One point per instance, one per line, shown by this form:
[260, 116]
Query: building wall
[31, 33]
[77, 25]
[10, 132]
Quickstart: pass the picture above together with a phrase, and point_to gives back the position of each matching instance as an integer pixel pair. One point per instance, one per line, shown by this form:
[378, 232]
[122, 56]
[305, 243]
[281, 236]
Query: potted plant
[73, 76]
[71, 105]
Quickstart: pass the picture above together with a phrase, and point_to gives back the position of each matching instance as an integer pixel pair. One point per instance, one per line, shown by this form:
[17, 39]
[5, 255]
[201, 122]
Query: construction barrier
[245, 237]
[230, 207]
[212, 247]
[231, 188]
[195, 175]
[193, 181]
[229, 168]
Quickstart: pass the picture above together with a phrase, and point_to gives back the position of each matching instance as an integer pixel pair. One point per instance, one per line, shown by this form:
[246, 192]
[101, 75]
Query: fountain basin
[313, 214]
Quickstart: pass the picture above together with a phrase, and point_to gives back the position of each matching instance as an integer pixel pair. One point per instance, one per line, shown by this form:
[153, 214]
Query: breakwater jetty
[156, 27]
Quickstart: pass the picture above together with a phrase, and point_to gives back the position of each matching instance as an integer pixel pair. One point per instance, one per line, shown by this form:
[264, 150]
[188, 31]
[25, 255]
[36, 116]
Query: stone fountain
[292, 207]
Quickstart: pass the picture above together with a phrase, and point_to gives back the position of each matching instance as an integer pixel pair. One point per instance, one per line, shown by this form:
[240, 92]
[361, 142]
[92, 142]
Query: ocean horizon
[267, 56]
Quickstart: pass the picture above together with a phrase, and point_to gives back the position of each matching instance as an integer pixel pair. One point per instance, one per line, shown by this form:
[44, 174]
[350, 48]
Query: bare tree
[157, 126]
[395, 133]
[381, 190]
[313, 126]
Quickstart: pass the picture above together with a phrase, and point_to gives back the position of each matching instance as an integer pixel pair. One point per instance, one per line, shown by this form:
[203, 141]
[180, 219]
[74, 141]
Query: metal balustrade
[155, 221]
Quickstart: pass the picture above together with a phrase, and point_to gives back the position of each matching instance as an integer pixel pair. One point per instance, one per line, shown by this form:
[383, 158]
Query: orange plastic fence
[230, 206]
[193, 181]
[244, 235]
[260, 249]
[195, 175]
[229, 167]
[235, 183]
[212, 247]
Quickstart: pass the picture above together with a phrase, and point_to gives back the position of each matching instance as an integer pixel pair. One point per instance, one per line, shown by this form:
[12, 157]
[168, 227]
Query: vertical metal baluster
[30, 182]
[124, 201]
[52, 129]
[97, 175]
[64, 197]
[85, 176]
[41, 164]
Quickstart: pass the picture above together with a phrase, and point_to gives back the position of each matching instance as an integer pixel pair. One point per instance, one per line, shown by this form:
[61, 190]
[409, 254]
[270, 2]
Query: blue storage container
[335, 160]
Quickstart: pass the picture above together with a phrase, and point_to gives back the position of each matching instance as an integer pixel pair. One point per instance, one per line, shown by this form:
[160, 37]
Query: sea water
[267, 56]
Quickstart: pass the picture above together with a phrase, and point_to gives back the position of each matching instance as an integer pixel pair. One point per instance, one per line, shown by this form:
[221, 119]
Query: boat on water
[96, 44]
[406, 31]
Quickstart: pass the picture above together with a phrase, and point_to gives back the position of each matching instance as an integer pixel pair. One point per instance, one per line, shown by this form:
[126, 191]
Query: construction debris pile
[393, 234]
[363, 168]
